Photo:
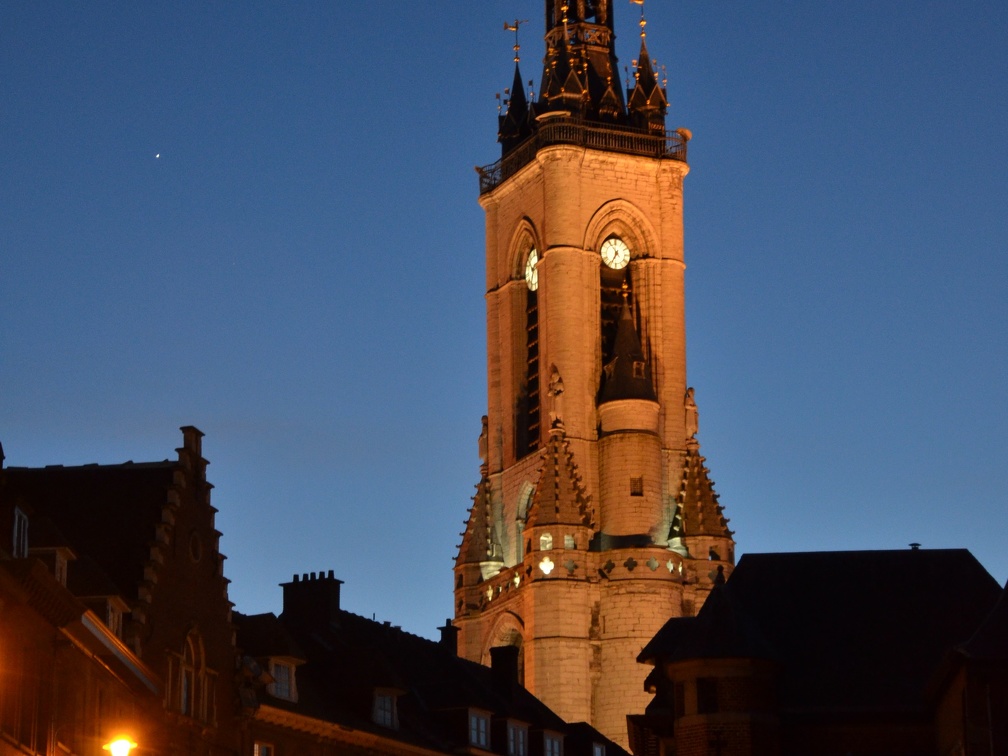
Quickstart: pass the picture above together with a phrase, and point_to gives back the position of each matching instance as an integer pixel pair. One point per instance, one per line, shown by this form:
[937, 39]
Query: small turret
[515, 125]
[647, 101]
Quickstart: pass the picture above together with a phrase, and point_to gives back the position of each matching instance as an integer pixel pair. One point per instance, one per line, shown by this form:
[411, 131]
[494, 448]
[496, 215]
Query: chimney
[504, 663]
[313, 600]
[449, 637]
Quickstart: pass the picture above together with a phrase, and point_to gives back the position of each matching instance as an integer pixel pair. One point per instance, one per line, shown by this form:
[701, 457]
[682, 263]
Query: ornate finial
[514, 28]
[643, 21]
[625, 291]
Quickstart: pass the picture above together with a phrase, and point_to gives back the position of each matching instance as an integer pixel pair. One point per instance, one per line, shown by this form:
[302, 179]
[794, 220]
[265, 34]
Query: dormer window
[517, 735]
[20, 547]
[479, 729]
[384, 712]
[283, 685]
[552, 744]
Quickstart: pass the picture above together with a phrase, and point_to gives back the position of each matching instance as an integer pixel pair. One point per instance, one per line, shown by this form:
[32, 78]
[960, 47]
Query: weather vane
[514, 28]
[643, 21]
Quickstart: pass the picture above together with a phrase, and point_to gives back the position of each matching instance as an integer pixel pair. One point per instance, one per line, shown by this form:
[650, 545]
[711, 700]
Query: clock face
[615, 253]
[531, 274]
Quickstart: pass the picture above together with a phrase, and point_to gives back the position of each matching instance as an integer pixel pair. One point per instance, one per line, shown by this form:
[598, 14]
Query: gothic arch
[626, 221]
[523, 239]
[507, 630]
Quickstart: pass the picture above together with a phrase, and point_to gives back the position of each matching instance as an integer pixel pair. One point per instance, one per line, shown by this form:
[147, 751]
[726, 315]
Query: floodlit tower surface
[594, 520]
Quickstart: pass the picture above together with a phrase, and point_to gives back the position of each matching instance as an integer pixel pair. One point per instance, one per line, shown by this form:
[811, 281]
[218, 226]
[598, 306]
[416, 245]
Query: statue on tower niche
[692, 418]
[483, 454]
[556, 389]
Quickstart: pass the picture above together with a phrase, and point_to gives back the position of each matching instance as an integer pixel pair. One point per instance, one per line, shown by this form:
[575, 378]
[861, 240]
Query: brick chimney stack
[313, 599]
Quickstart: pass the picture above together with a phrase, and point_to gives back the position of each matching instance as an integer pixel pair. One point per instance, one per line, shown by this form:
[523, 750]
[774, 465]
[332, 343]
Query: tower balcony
[558, 129]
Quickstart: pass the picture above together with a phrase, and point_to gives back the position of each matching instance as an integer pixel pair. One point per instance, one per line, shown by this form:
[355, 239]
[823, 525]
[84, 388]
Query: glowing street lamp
[121, 746]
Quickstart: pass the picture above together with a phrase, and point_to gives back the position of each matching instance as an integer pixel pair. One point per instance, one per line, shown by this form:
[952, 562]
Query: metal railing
[596, 136]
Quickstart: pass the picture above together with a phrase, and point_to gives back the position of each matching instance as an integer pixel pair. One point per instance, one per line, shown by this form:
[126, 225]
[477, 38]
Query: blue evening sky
[300, 273]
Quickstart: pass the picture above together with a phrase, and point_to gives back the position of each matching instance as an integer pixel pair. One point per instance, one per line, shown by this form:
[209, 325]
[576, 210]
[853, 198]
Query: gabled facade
[594, 519]
[122, 562]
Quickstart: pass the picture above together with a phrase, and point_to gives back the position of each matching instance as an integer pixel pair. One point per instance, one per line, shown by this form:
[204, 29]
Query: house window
[638, 369]
[282, 686]
[479, 729]
[706, 695]
[190, 688]
[545, 542]
[113, 619]
[569, 542]
[517, 734]
[20, 534]
[636, 486]
[598, 749]
[552, 744]
[187, 679]
[262, 749]
[60, 568]
[679, 700]
[384, 711]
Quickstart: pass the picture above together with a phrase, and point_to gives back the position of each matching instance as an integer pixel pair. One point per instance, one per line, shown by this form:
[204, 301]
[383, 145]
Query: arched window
[614, 282]
[190, 687]
[527, 414]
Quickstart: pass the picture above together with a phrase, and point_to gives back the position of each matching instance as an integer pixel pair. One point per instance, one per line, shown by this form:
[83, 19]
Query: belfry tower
[594, 520]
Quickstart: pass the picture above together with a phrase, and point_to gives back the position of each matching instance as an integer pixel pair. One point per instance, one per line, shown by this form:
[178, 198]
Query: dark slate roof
[348, 660]
[109, 512]
[857, 630]
[990, 641]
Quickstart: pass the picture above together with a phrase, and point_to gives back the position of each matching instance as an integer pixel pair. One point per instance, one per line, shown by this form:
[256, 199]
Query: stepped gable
[698, 508]
[479, 544]
[559, 496]
[109, 512]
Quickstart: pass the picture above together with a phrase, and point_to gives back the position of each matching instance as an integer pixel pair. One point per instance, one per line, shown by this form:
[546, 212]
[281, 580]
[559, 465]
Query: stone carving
[483, 454]
[692, 418]
[556, 389]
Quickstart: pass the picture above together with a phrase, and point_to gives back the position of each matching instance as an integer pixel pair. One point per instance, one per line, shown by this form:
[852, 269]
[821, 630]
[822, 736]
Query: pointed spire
[628, 374]
[697, 508]
[515, 125]
[647, 101]
[580, 65]
[479, 543]
[560, 496]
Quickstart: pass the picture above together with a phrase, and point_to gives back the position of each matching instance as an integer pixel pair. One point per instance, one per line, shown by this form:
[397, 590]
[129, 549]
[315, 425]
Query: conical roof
[697, 503]
[479, 544]
[628, 374]
[560, 496]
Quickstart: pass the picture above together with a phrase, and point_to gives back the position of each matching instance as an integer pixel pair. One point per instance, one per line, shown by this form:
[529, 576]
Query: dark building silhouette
[115, 620]
[871, 652]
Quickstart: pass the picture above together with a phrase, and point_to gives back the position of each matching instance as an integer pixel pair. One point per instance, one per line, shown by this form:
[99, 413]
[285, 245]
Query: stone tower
[594, 520]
